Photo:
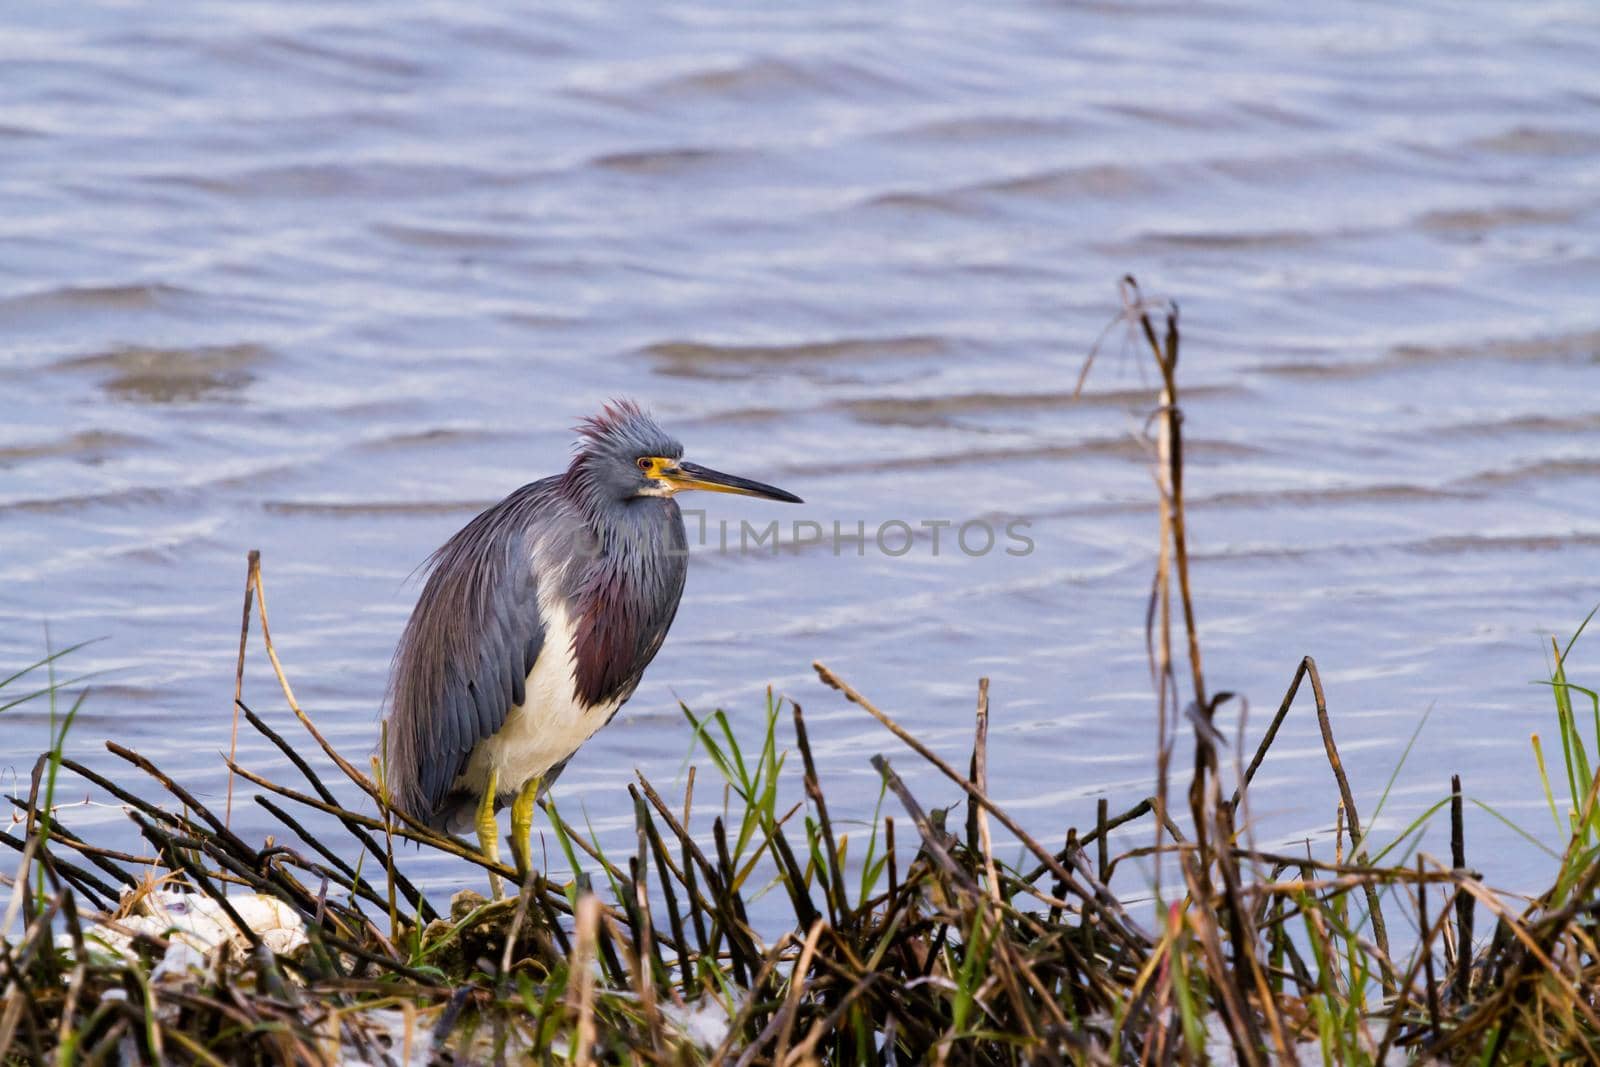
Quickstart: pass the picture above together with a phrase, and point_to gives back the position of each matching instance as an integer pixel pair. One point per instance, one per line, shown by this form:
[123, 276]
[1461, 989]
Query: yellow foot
[522, 826]
[489, 832]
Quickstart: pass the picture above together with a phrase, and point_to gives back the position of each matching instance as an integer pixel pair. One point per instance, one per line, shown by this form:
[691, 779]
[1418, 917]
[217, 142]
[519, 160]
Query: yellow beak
[684, 475]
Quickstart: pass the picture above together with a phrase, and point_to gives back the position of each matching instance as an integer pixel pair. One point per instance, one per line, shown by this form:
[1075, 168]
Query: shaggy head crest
[623, 430]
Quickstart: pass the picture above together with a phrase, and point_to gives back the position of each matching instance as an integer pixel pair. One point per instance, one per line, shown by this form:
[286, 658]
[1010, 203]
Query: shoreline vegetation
[905, 941]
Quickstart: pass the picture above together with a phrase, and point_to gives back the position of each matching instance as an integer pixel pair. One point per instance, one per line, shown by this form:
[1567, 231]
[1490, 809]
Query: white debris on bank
[195, 926]
[704, 1021]
[1219, 1048]
[392, 1041]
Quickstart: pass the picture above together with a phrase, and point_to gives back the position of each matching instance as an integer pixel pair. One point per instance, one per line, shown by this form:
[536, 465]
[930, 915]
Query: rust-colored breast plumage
[625, 606]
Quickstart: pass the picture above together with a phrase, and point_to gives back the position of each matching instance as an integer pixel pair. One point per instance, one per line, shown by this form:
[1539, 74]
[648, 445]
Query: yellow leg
[489, 831]
[522, 825]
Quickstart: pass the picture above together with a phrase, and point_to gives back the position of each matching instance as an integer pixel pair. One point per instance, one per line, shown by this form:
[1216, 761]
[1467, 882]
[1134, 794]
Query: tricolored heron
[536, 623]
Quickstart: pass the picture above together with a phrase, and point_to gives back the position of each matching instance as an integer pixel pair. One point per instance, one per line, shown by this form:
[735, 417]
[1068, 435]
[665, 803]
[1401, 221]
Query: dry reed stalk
[791, 999]
[362, 781]
[838, 901]
[980, 779]
[581, 971]
[253, 562]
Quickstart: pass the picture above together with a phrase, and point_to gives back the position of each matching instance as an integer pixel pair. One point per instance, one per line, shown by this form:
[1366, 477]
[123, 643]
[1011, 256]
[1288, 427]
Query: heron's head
[623, 454]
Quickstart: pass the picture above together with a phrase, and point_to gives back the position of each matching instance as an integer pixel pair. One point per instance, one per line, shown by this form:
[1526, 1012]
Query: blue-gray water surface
[325, 279]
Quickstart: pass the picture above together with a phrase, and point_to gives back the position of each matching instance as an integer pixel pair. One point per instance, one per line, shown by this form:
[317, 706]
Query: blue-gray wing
[466, 653]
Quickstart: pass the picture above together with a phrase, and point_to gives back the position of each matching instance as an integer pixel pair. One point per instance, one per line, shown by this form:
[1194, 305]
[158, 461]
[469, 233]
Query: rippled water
[324, 279]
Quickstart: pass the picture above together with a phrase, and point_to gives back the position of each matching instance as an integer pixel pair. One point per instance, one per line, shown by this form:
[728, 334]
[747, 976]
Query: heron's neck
[628, 597]
[642, 531]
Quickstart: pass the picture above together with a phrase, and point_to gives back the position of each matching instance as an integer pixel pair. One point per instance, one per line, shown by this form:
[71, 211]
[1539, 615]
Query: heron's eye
[644, 463]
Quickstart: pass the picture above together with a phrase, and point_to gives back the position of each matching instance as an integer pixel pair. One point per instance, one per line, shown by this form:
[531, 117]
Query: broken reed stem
[1161, 590]
[839, 906]
[388, 832]
[1306, 664]
[581, 972]
[1358, 846]
[366, 785]
[253, 563]
[791, 998]
[1102, 849]
[1464, 909]
[1213, 838]
[1173, 552]
[1426, 951]
[980, 763]
[931, 838]
[1169, 468]
[1421, 960]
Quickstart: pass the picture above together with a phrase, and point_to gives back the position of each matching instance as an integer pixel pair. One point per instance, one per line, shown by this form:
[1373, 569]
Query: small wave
[1232, 240]
[447, 237]
[935, 203]
[174, 375]
[1122, 445]
[134, 496]
[701, 359]
[1482, 220]
[941, 410]
[1281, 168]
[352, 177]
[1173, 117]
[753, 77]
[1460, 544]
[1389, 492]
[438, 436]
[357, 508]
[1540, 471]
[1588, 422]
[667, 160]
[134, 297]
[764, 77]
[977, 128]
[1580, 346]
[88, 446]
[1539, 141]
[925, 410]
[1096, 180]
[335, 57]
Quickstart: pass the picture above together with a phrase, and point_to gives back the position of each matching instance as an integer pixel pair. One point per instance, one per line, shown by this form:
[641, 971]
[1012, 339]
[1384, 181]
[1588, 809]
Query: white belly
[548, 726]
